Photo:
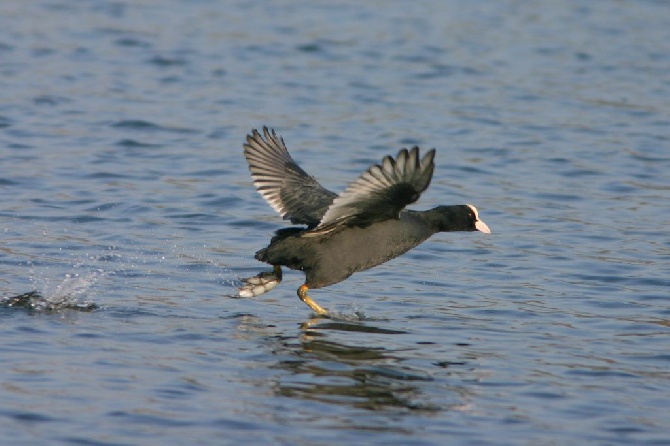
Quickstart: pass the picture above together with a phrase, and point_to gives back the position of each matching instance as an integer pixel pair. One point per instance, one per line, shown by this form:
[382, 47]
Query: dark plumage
[364, 226]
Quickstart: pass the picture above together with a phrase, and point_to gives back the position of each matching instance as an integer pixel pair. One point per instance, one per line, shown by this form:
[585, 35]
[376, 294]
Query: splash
[65, 294]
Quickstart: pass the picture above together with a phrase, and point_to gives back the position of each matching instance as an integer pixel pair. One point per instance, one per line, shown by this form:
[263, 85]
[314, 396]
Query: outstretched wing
[293, 193]
[381, 192]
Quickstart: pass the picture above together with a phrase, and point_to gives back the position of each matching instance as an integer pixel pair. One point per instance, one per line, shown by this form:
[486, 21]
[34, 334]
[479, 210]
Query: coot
[364, 226]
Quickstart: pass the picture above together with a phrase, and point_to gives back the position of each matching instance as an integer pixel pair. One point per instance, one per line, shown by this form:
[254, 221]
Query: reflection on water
[355, 375]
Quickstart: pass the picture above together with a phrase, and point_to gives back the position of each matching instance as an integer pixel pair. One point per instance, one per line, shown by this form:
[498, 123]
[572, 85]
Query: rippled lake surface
[127, 206]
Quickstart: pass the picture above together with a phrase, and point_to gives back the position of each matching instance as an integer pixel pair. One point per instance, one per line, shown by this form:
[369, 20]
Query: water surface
[125, 194]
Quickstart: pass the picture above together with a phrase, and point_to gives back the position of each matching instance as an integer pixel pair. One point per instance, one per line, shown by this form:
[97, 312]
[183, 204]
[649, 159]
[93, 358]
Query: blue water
[127, 204]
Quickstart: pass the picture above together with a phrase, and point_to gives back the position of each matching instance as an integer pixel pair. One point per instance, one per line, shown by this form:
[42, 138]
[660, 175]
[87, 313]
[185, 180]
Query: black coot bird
[364, 226]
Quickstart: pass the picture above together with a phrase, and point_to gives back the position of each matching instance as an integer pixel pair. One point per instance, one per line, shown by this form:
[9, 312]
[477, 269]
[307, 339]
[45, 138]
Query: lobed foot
[261, 283]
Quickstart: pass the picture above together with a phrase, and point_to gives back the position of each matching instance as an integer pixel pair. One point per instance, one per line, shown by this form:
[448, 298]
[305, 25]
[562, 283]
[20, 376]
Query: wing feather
[381, 192]
[291, 191]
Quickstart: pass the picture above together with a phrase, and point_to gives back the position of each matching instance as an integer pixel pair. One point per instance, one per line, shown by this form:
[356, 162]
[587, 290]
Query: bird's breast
[340, 254]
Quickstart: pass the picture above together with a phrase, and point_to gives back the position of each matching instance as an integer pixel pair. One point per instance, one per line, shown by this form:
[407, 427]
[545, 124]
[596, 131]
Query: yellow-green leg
[318, 309]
